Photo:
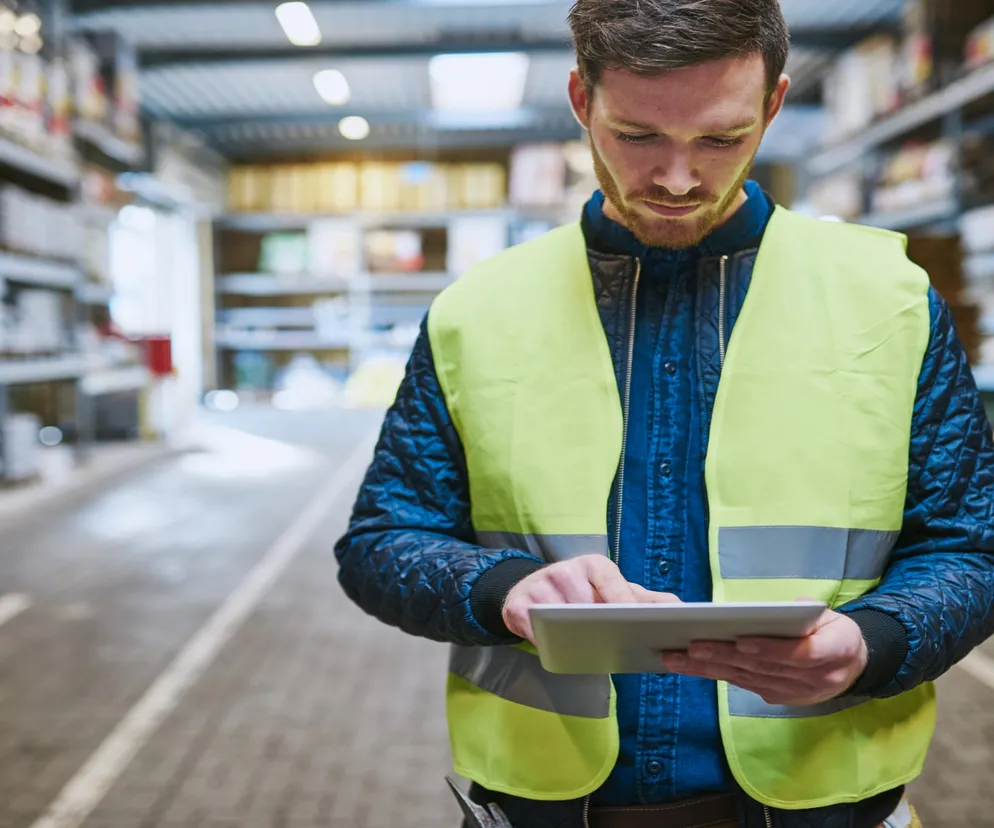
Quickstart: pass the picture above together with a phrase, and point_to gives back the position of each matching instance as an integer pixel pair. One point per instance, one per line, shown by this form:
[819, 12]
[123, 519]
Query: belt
[718, 811]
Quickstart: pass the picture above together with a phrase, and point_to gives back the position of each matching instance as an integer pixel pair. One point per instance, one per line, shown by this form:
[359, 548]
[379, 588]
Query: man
[689, 396]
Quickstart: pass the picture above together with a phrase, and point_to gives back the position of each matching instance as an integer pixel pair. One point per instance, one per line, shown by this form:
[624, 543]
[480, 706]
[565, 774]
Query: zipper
[721, 308]
[586, 811]
[616, 552]
[769, 816]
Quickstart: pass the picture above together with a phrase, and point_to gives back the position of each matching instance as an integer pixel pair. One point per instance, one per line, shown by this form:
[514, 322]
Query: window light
[299, 24]
[354, 128]
[486, 82]
[332, 87]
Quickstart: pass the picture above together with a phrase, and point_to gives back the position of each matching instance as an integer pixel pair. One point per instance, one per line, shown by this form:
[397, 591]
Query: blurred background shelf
[22, 372]
[35, 271]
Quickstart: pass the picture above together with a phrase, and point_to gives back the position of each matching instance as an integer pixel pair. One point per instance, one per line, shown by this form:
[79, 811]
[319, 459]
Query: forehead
[708, 95]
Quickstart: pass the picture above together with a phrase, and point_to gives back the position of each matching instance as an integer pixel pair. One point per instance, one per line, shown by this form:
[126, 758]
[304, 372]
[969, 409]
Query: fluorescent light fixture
[354, 128]
[488, 82]
[299, 24]
[332, 87]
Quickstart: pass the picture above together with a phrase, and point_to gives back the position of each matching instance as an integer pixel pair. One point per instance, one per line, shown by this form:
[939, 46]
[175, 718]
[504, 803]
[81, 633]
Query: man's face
[673, 151]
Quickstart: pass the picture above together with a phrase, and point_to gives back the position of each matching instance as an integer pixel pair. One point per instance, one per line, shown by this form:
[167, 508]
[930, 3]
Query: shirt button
[665, 469]
[670, 368]
[653, 768]
[663, 567]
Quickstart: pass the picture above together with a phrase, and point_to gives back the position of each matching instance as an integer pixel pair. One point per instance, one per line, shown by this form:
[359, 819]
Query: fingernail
[703, 653]
[676, 661]
[747, 648]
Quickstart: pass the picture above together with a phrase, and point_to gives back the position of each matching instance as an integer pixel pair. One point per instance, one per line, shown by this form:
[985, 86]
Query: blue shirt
[670, 741]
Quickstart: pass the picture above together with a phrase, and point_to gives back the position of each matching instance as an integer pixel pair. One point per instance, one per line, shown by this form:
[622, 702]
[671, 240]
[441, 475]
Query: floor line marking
[97, 776]
[980, 666]
[12, 605]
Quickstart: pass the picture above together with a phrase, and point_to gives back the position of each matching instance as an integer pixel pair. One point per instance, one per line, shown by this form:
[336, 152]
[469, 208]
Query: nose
[676, 174]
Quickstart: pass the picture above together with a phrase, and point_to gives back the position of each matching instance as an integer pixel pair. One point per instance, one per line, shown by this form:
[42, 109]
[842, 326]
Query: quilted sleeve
[408, 557]
[940, 583]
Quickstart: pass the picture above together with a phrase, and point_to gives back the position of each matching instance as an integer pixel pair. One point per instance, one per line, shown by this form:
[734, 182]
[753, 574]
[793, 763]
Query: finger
[769, 687]
[727, 655]
[832, 643]
[516, 610]
[645, 596]
[608, 582]
[572, 584]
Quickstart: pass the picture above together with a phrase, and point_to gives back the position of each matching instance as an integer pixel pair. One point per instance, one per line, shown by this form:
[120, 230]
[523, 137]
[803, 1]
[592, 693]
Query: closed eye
[722, 143]
[628, 138]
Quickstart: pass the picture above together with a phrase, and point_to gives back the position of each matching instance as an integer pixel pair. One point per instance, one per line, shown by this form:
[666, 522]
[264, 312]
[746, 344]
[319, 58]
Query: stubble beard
[675, 233]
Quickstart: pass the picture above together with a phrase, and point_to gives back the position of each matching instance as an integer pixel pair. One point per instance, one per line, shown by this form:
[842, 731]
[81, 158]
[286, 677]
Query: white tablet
[628, 638]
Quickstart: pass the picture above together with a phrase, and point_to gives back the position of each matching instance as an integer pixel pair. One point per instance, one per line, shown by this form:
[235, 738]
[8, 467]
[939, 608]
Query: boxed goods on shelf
[936, 34]
[538, 175]
[916, 174]
[37, 225]
[393, 251]
[942, 259]
[374, 187]
[107, 69]
[32, 322]
[334, 248]
[838, 195]
[861, 86]
[20, 458]
[980, 45]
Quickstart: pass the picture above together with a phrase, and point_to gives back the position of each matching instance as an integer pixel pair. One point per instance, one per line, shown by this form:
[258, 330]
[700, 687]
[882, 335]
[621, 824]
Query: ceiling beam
[522, 118]
[156, 58]
[153, 58]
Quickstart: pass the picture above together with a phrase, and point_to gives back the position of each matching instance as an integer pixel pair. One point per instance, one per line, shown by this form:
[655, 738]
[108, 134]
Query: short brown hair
[649, 37]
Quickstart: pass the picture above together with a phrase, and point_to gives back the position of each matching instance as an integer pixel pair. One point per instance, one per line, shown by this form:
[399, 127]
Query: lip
[671, 212]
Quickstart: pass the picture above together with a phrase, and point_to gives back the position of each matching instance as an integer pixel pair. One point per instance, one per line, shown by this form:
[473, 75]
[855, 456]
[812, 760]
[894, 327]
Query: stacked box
[20, 458]
[935, 44]
[942, 259]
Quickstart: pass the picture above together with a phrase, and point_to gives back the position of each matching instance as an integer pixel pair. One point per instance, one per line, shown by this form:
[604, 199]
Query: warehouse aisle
[311, 714]
[306, 713]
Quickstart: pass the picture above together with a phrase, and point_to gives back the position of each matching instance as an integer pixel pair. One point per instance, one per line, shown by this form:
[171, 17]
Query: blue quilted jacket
[409, 559]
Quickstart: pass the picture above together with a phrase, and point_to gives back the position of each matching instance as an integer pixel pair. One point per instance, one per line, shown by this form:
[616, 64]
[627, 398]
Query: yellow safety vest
[806, 477]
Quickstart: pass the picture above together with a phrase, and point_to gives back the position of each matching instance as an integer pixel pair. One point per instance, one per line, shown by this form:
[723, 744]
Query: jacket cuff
[486, 599]
[887, 643]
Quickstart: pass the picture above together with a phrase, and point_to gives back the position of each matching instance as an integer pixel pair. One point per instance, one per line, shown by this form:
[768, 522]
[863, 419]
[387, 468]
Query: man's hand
[592, 579]
[796, 672]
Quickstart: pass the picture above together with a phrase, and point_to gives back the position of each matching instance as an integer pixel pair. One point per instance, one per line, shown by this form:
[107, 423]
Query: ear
[777, 99]
[579, 99]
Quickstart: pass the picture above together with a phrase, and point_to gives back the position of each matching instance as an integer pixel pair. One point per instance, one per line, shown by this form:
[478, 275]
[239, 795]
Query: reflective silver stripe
[551, 548]
[743, 703]
[816, 552]
[518, 677]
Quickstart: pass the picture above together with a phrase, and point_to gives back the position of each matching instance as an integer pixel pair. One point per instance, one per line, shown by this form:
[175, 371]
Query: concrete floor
[288, 707]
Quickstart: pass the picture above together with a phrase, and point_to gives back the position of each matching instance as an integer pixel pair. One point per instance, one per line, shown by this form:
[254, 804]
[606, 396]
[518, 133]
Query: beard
[659, 231]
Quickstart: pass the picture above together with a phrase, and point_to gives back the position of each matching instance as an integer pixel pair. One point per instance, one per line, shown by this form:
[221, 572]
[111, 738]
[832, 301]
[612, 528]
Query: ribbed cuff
[887, 643]
[486, 601]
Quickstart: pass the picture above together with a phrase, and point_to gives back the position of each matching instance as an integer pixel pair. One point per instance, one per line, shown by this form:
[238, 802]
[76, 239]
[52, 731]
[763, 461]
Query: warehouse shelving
[60, 171]
[271, 284]
[41, 272]
[114, 380]
[402, 282]
[282, 341]
[266, 222]
[25, 372]
[946, 101]
[925, 214]
[102, 139]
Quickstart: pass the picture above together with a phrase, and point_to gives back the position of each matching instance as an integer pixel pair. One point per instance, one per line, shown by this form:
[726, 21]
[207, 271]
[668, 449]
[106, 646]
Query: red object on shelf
[158, 355]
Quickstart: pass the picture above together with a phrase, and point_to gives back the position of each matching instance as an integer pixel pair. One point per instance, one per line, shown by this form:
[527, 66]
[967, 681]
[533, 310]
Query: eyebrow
[743, 127]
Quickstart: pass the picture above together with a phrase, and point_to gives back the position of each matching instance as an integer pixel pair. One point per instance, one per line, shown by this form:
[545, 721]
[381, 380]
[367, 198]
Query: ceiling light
[299, 24]
[354, 128]
[28, 25]
[332, 87]
[8, 21]
[488, 82]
